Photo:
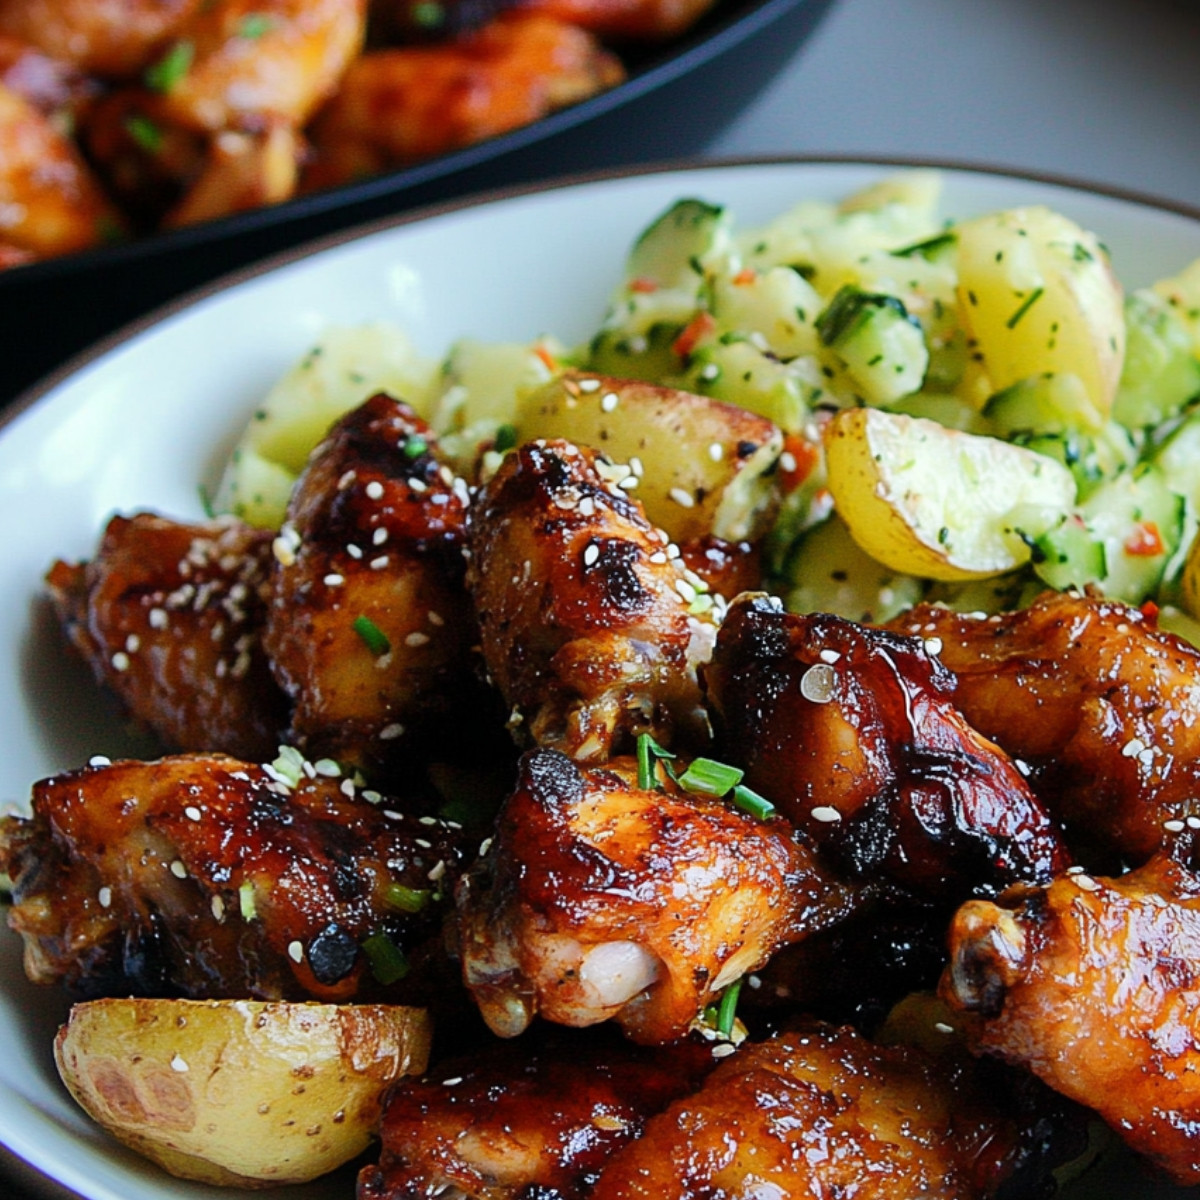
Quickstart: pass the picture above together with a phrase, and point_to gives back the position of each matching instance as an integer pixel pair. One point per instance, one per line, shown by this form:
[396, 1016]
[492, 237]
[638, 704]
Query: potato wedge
[239, 1092]
[937, 503]
[703, 467]
[1036, 293]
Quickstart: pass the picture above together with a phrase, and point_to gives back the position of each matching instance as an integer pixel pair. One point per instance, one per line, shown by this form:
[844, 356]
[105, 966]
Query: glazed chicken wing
[369, 626]
[853, 734]
[400, 104]
[1103, 707]
[820, 1113]
[599, 899]
[169, 616]
[584, 623]
[516, 1121]
[207, 877]
[1094, 985]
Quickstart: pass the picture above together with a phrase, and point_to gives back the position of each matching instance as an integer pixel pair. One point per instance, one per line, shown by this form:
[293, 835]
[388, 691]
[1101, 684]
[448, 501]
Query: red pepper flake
[745, 275]
[702, 325]
[547, 358]
[1149, 610]
[797, 461]
[643, 285]
[1145, 541]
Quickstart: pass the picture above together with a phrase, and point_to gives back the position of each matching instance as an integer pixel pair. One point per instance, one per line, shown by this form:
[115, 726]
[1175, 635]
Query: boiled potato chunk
[938, 503]
[239, 1092]
[701, 466]
[1036, 293]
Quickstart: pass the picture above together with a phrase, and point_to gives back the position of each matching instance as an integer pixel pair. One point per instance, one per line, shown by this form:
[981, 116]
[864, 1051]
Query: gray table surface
[1105, 91]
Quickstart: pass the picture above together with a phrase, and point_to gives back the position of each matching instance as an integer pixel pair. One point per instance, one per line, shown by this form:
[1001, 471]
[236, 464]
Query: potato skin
[237, 1092]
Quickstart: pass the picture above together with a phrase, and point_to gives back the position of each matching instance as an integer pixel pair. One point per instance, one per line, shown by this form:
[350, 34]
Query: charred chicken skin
[369, 626]
[206, 877]
[1102, 706]
[817, 1113]
[584, 630]
[1093, 984]
[854, 735]
[517, 1121]
[600, 899]
[169, 616]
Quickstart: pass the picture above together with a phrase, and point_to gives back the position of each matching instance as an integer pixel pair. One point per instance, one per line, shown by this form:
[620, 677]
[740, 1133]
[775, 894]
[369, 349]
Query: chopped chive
[751, 802]
[166, 74]
[727, 1009]
[710, 777]
[254, 25]
[144, 132]
[389, 963]
[1026, 305]
[406, 899]
[926, 247]
[506, 438]
[415, 446]
[206, 502]
[648, 752]
[375, 639]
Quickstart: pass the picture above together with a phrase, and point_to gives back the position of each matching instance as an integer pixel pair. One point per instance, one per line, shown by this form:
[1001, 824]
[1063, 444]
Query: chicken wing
[399, 105]
[369, 626]
[169, 615]
[519, 1120]
[852, 733]
[601, 899]
[585, 622]
[819, 1113]
[206, 877]
[1103, 707]
[1094, 985]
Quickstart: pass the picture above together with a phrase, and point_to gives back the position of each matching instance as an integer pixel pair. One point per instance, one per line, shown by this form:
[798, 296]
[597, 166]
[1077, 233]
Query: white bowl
[146, 419]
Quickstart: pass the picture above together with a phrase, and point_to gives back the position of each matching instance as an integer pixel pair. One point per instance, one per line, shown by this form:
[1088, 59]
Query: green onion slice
[373, 637]
[709, 777]
[166, 74]
[727, 1009]
[648, 752]
[748, 800]
[389, 964]
[506, 438]
[409, 900]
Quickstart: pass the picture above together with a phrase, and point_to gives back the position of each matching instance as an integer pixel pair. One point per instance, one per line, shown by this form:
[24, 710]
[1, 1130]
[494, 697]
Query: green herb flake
[749, 801]
[406, 899]
[506, 438]
[144, 132]
[1024, 307]
[167, 73]
[415, 446]
[389, 964]
[727, 1008]
[206, 502]
[709, 777]
[254, 25]
[648, 753]
[373, 637]
[428, 14]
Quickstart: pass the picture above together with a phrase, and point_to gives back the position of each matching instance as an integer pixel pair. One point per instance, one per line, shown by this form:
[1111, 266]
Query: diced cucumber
[669, 253]
[1138, 521]
[945, 410]
[1178, 457]
[649, 356]
[777, 307]
[826, 571]
[737, 372]
[1161, 373]
[880, 346]
[1070, 555]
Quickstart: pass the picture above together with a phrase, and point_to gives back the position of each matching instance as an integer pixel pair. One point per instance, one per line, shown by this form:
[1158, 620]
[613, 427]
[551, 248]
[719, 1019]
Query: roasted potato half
[239, 1092]
[703, 467]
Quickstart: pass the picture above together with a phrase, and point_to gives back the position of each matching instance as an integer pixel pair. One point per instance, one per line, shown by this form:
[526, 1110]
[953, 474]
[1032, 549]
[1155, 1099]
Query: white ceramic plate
[141, 424]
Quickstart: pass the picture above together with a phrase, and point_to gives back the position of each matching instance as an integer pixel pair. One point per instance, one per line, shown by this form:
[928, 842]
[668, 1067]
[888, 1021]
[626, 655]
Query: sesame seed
[723, 1050]
[218, 908]
[942, 1027]
[1087, 883]
[379, 536]
[371, 796]
[1193, 822]
[830, 656]
[452, 1082]
[178, 869]
[416, 638]
[439, 869]
[589, 385]
[377, 564]
[709, 371]
[333, 579]
[347, 479]
[682, 498]
[374, 490]
[423, 843]
[192, 813]
[99, 760]
[132, 642]
[609, 401]
[353, 550]
[687, 593]
[104, 897]
[933, 645]
[418, 485]
[716, 452]
[295, 952]
[393, 815]
[825, 813]
[587, 507]
[391, 732]
[158, 618]
[179, 1064]
[591, 554]
[658, 557]
[347, 788]
[635, 465]
[435, 618]
[1174, 826]
[120, 661]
